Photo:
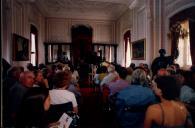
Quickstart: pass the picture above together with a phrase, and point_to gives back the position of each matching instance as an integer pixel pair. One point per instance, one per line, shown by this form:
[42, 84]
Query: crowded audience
[165, 98]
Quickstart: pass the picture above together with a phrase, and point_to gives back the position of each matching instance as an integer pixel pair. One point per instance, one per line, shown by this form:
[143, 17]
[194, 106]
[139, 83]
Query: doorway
[81, 43]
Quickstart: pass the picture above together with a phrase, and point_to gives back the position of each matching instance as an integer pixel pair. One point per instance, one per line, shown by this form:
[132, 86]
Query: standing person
[33, 109]
[169, 113]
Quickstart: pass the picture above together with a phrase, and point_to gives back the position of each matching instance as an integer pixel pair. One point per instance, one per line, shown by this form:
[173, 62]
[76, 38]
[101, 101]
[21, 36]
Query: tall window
[33, 38]
[127, 48]
[184, 58]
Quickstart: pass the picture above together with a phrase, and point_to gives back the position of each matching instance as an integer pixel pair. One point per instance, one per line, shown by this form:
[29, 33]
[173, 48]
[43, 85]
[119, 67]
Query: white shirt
[109, 78]
[62, 96]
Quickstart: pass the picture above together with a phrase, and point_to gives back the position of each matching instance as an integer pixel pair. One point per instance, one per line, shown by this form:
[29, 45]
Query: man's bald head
[27, 78]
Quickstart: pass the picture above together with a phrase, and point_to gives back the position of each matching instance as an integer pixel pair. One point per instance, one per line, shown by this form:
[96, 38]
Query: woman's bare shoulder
[154, 109]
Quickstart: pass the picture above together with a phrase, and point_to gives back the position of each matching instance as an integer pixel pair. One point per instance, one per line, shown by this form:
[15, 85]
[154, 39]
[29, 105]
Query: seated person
[17, 92]
[60, 94]
[101, 72]
[132, 101]
[39, 80]
[129, 75]
[169, 113]
[119, 84]
[33, 109]
[111, 76]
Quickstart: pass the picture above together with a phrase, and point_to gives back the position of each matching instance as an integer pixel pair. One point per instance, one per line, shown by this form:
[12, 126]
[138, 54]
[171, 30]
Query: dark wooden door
[81, 43]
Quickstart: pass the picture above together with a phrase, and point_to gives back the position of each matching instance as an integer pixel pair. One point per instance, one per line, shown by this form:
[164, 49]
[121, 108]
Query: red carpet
[91, 112]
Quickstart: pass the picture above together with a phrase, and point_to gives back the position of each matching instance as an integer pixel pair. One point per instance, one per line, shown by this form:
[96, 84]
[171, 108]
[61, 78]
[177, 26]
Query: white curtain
[184, 59]
[128, 55]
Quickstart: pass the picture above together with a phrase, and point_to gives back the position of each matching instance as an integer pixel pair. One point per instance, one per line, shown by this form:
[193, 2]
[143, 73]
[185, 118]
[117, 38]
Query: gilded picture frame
[139, 49]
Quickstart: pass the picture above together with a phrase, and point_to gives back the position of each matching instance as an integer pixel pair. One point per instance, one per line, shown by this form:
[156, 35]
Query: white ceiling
[83, 9]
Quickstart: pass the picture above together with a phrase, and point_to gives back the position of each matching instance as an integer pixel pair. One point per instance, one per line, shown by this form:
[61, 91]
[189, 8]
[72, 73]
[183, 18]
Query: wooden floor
[91, 111]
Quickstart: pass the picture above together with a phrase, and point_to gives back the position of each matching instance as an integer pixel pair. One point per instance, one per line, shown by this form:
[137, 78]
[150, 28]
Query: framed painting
[20, 48]
[139, 49]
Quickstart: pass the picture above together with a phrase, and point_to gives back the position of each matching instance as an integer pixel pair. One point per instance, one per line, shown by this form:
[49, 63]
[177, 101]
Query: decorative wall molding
[18, 18]
[83, 9]
[59, 29]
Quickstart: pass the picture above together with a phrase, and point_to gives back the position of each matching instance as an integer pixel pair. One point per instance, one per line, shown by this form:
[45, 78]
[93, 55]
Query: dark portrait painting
[20, 48]
[138, 50]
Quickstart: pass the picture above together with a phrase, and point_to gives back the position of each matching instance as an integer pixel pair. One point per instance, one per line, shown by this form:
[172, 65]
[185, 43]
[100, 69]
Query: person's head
[62, 79]
[38, 76]
[146, 66]
[141, 65]
[132, 65]
[139, 77]
[14, 72]
[27, 78]
[60, 67]
[129, 71]
[179, 79]
[162, 52]
[177, 66]
[103, 69]
[122, 72]
[167, 88]
[30, 67]
[45, 72]
[34, 104]
[111, 68]
[41, 66]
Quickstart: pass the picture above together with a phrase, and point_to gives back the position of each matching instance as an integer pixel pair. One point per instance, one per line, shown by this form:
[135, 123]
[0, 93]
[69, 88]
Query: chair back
[56, 111]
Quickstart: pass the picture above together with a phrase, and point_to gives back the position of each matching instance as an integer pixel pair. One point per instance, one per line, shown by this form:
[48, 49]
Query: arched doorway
[81, 43]
[82, 51]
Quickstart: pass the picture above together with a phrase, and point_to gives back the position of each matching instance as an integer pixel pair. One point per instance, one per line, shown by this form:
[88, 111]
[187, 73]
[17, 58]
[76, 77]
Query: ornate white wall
[123, 24]
[149, 19]
[137, 21]
[59, 30]
[146, 19]
[17, 18]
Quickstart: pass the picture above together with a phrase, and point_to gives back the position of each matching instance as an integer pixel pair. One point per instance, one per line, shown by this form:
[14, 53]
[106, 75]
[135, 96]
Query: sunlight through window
[184, 59]
[128, 60]
[33, 50]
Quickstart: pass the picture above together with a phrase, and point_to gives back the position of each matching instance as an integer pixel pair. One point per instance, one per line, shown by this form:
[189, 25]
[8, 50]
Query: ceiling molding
[83, 9]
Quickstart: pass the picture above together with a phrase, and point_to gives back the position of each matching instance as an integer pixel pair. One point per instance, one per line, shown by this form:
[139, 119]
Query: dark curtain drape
[192, 39]
[126, 38]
